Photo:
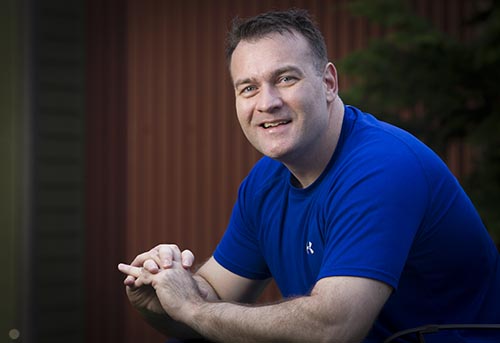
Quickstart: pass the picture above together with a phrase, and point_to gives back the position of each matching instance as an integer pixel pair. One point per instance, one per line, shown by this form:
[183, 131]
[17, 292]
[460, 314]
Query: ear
[331, 82]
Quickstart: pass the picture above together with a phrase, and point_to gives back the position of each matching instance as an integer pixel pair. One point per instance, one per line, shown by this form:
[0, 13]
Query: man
[363, 228]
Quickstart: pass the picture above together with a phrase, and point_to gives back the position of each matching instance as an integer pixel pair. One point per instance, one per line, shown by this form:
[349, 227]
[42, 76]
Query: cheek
[243, 112]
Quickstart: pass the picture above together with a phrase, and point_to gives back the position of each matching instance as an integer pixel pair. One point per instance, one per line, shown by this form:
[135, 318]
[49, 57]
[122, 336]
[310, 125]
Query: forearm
[172, 328]
[339, 309]
[297, 320]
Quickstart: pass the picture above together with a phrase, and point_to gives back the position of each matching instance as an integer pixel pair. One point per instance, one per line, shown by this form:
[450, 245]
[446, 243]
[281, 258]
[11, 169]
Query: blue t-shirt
[386, 208]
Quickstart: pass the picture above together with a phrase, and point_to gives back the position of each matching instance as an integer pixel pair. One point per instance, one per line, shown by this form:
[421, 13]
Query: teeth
[268, 125]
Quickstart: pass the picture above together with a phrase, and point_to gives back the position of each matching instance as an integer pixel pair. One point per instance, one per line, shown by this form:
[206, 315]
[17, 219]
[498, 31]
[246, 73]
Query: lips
[270, 124]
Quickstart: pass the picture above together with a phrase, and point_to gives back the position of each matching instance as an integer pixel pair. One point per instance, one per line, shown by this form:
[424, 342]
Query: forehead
[271, 52]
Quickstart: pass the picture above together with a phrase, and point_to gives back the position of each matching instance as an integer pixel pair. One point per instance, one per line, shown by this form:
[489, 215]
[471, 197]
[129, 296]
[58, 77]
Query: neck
[309, 167]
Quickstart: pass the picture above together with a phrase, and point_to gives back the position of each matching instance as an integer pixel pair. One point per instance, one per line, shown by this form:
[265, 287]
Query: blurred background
[118, 132]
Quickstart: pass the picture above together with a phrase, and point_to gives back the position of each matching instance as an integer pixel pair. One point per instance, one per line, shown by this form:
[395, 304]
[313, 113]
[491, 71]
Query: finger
[149, 255]
[129, 281]
[145, 278]
[129, 270]
[151, 266]
[136, 277]
[187, 258]
[169, 253]
[140, 281]
[149, 260]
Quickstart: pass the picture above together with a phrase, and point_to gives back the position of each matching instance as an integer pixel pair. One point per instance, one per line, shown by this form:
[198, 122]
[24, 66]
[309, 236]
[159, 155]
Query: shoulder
[377, 161]
[370, 141]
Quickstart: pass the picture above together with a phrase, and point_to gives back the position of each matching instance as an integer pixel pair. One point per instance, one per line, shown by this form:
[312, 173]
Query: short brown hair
[290, 21]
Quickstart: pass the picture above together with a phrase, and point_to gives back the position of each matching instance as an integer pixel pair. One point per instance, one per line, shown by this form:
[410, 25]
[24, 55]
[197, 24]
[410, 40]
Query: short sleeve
[373, 215]
[239, 251]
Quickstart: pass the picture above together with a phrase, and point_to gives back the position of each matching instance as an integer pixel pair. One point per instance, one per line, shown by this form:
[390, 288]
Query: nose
[269, 99]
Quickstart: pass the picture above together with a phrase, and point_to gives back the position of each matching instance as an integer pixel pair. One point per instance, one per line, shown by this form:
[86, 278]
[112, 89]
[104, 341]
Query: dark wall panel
[105, 172]
[55, 277]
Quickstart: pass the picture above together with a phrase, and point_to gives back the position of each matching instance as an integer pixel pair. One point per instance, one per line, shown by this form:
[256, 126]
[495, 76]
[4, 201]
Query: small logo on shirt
[309, 248]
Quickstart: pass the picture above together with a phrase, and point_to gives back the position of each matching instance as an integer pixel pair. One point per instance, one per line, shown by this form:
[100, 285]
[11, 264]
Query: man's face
[281, 98]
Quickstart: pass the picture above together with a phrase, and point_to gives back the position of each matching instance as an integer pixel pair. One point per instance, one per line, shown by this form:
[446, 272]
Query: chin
[277, 152]
[275, 155]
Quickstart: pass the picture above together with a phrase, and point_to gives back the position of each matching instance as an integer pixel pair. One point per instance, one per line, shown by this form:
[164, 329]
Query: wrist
[196, 314]
[168, 325]
[190, 311]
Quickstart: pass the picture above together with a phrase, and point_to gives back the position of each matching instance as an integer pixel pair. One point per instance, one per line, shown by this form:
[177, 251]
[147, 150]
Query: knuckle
[149, 264]
[174, 247]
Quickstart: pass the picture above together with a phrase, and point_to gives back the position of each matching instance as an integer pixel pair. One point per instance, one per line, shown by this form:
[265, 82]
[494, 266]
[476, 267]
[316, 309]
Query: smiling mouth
[274, 124]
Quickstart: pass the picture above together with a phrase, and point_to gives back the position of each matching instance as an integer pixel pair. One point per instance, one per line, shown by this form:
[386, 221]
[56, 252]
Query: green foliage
[448, 88]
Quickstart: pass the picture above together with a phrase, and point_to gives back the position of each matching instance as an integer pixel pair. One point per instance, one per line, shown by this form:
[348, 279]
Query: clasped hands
[160, 281]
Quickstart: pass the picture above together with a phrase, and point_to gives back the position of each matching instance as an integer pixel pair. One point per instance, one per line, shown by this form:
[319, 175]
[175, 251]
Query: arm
[211, 281]
[229, 286]
[339, 309]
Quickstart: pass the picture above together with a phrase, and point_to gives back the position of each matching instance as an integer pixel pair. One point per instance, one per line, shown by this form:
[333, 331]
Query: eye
[287, 79]
[248, 90]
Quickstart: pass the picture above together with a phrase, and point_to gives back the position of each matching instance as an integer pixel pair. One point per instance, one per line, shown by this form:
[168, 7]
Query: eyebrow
[242, 82]
[274, 74]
